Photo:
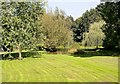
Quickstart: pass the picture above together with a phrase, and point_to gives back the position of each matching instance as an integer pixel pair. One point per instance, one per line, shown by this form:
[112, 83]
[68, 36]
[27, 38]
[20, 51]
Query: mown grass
[0, 70]
[61, 68]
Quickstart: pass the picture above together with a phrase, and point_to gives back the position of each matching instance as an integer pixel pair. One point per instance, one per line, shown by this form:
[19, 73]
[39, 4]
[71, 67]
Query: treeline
[99, 26]
[27, 25]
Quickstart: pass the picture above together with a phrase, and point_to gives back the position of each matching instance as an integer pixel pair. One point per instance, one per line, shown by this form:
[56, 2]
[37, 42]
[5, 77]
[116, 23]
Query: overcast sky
[74, 8]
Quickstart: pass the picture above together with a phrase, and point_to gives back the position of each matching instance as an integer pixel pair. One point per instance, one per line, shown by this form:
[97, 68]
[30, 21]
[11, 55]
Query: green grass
[61, 68]
[0, 71]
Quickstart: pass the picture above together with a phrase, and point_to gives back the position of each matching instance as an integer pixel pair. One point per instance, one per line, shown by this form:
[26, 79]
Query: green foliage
[15, 55]
[79, 52]
[75, 45]
[56, 29]
[95, 36]
[110, 13]
[95, 52]
[20, 23]
[83, 23]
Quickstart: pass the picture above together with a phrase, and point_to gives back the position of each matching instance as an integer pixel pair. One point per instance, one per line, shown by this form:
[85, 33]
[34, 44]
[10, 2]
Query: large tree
[111, 15]
[56, 29]
[95, 36]
[83, 23]
[20, 23]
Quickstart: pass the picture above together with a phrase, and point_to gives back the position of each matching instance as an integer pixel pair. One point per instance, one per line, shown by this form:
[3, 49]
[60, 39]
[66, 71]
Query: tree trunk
[19, 51]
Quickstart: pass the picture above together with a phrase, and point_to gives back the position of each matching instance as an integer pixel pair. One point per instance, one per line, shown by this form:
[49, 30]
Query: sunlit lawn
[61, 68]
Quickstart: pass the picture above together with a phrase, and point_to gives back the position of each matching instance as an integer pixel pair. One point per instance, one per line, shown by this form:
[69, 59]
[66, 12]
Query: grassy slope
[61, 68]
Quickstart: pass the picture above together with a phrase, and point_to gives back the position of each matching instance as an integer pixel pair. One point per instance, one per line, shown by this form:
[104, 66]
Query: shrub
[24, 55]
[79, 52]
[72, 50]
[51, 49]
[75, 45]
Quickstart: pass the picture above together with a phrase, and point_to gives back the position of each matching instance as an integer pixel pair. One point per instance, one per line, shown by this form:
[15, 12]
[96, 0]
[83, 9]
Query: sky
[75, 8]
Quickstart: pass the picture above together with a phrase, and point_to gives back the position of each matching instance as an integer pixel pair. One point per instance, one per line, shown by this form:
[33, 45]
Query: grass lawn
[0, 71]
[61, 68]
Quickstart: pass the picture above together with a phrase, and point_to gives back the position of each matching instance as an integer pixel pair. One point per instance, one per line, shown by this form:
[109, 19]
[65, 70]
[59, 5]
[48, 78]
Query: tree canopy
[56, 29]
[20, 23]
[111, 15]
[83, 23]
[24, 25]
[95, 36]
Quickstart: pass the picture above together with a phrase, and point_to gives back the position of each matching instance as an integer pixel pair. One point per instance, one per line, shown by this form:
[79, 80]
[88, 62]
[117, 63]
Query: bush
[24, 55]
[39, 48]
[72, 50]
[51, 49]
[79, 52]
[7, 56]
[75, 45]
[30, 54]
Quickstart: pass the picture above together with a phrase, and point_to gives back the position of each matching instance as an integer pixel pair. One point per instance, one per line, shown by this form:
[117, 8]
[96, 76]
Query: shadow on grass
[96, 52]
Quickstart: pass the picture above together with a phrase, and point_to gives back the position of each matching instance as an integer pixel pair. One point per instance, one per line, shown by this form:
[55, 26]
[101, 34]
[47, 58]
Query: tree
[83, 23]
[111, 15]
[20, 24]
[95, 36]
[56, 29]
